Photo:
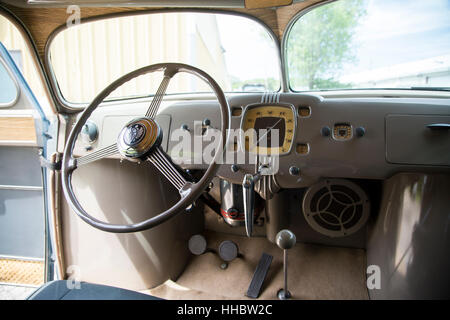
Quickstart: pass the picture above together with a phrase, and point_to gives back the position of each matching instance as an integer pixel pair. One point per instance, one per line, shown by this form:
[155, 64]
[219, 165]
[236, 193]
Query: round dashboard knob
[325, 131]
[294, 171]
[206, 122]
[89, 133]
[360, 131]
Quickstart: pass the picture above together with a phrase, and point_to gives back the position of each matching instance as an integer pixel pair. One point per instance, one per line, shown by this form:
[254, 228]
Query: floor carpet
[315, 272]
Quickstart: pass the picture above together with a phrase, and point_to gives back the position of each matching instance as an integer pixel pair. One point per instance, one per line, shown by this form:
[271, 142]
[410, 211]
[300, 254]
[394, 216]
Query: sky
[400, 31]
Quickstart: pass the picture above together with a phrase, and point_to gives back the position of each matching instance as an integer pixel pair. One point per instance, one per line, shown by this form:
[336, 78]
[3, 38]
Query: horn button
[139, 137]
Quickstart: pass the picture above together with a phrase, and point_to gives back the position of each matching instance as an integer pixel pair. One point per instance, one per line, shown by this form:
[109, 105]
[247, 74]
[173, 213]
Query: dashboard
[342, 137]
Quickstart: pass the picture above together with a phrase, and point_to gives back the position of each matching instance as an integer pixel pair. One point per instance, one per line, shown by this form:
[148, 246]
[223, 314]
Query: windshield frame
[284, 48]
[71, 106]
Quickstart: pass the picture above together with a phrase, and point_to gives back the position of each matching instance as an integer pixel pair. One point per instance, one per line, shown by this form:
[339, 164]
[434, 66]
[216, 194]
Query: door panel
[21, 203]
[22, 222]
[20, 166]
[24, 239]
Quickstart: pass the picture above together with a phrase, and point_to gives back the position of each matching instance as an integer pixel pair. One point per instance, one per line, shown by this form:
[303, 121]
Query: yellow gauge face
[273, 129]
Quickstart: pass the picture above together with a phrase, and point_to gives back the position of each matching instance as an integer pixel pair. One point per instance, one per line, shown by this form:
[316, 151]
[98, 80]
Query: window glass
[237, 52]
[371, 44]
[8, 88]
[14, 42]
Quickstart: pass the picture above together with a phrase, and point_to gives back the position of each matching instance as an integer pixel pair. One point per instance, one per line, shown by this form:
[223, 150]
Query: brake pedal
[259, 276]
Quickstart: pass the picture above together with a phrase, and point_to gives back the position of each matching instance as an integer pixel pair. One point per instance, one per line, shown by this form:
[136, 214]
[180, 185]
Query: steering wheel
[139, 140]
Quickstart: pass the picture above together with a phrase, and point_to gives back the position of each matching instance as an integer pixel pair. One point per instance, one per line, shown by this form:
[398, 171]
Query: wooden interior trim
[253, 4]
[56, 17]
[17, 129]
[41, 22]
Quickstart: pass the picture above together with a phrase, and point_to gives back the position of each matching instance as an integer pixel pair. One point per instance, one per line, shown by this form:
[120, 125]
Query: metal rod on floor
[285, 271]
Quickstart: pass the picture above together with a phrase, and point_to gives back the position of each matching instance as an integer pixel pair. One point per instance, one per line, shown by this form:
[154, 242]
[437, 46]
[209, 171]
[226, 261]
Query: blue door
[22, 205]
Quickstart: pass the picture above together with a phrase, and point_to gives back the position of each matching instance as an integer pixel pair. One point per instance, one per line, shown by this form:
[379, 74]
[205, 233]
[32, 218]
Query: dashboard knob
[185, 127]
[206, 122]
[294, 171]
[360, 132]
[89, 133]
[325, 131]
[234, 168]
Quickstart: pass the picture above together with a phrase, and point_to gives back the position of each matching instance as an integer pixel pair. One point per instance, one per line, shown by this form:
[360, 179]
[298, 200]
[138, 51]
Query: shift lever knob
[285, 239]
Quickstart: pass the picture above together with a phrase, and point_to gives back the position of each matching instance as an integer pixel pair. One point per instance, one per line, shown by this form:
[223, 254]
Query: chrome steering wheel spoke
[157, 98]
[96, 155]
[165, 166]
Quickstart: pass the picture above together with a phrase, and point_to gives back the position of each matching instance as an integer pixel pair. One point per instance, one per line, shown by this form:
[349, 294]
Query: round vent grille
[336, 207]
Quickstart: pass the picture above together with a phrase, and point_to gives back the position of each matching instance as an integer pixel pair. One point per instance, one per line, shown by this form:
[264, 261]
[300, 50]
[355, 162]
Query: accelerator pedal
[259, 276]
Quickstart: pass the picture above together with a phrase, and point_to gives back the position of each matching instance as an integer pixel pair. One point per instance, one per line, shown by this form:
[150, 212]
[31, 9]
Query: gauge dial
[274, 129]
[342, 131]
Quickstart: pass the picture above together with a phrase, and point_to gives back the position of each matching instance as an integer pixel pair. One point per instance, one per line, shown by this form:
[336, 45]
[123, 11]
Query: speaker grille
[336, 207]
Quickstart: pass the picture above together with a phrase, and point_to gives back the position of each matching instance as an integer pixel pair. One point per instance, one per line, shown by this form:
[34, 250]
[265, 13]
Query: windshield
[352, 44]
[239, 53]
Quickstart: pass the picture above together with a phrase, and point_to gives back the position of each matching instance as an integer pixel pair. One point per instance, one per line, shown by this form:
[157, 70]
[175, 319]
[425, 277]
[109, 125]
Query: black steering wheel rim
[69, 163]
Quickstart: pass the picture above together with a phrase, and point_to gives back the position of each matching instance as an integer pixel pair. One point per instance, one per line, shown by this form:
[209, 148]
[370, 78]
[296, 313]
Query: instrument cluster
[269, 128]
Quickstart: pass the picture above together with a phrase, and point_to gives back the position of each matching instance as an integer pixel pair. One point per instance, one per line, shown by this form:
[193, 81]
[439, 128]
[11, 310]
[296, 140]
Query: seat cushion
[61, 290]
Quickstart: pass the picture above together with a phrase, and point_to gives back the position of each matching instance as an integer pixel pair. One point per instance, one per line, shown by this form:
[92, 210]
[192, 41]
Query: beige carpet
[315, 272]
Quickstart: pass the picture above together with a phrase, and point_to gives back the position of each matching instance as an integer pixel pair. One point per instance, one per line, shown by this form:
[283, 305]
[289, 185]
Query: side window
[8, 88]
[13, 40]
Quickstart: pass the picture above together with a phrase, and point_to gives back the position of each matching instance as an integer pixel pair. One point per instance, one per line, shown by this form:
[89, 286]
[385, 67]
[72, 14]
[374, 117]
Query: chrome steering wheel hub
[138, 137]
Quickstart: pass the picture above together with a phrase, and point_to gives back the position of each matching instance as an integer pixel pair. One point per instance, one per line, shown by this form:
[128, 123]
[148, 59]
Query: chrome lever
[439, 126]
[248, 190]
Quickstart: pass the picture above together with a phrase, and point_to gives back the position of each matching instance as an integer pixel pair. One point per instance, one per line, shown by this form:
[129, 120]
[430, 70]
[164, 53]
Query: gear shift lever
[285, 240]
[248, 186]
